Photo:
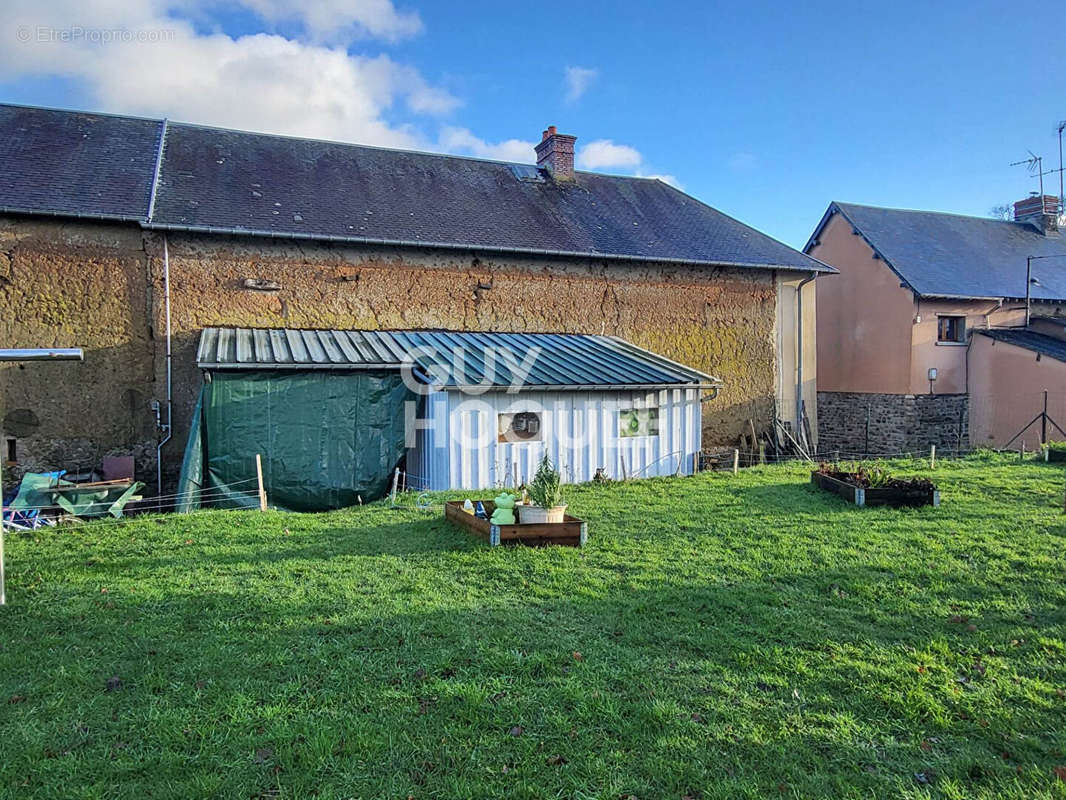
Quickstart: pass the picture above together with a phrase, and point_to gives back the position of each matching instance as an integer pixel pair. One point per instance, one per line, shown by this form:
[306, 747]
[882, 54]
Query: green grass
[719, 637]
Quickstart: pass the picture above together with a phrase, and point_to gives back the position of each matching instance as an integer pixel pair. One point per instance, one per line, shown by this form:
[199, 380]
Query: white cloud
[670, 179]
[134, 58]
[462, 142]
[603, 154]
[578, 81]
[327, 19]
[148, 57]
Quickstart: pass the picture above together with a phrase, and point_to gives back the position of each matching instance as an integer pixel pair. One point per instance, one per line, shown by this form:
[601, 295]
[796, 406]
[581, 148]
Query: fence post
[259, 478]
[762, 452]
[736, 460]
[395, 480]
[932, 456]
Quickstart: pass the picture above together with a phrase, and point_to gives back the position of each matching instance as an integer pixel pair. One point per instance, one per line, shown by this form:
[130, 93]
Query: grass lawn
[719, 637]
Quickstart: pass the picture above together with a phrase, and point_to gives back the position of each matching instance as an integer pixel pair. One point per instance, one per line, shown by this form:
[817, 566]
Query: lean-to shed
[333, 412]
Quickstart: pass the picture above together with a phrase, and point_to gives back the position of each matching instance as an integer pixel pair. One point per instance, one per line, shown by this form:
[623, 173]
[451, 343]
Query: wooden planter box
[572, 531]
[888, 496]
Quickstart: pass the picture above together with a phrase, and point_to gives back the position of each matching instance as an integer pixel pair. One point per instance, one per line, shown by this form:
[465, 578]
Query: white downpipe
[802, 436]
[166, 427]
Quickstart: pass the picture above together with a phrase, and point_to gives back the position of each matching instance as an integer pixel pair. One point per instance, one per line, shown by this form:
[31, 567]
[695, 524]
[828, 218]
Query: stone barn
[127, 237]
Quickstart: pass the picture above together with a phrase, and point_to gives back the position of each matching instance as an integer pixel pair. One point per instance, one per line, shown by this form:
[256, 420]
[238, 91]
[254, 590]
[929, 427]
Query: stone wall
[860, 424]
[75, 285]
[100, 287]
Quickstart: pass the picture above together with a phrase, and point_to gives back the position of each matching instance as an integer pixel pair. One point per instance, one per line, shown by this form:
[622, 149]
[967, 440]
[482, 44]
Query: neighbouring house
[128, 237]
[332, 412]
[899, 365]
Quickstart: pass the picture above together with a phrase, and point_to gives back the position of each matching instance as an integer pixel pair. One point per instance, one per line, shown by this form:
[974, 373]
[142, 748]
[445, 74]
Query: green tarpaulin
[326, 438]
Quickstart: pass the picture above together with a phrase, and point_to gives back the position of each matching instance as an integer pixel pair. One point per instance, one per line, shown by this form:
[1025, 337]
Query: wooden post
[259, 477]
[762, 452]
[624, 476]
[695, 462]
[1046, 451]
[932, 456]
[736, 460]
[1021, 452]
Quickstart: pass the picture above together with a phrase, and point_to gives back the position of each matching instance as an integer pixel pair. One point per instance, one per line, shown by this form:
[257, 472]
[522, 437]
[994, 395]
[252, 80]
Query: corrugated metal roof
[453, 358]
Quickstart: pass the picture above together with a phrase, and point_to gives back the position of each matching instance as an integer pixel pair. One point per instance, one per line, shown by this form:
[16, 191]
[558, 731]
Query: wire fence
[35, 517]
[412, 490]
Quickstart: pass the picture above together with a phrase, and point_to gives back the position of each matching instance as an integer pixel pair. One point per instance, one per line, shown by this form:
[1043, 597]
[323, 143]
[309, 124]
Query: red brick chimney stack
[1040, 212]
[556, 153]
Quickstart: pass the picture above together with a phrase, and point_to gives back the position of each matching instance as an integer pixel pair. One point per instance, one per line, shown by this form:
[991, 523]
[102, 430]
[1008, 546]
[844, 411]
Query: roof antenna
[1035, 165]
[1062, 197]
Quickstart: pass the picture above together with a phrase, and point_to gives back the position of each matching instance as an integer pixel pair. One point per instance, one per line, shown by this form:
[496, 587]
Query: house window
[638, 422]
[521, 427]
[951, 329]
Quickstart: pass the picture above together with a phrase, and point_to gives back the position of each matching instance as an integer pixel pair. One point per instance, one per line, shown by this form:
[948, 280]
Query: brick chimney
[1040, 212]
[556, 153]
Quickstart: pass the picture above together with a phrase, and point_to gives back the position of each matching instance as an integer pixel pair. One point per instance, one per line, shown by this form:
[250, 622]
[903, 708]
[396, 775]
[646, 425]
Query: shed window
[638, 422]
[521, 427]
[12, 452]
[951, 329]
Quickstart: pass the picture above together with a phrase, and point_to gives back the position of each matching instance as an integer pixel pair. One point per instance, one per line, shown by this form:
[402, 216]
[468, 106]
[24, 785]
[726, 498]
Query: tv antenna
[1062, 195]
[1035, 165]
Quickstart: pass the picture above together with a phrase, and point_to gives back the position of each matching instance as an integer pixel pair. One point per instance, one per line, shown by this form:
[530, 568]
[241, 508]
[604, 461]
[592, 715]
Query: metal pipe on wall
[799, 358]
[167, 427]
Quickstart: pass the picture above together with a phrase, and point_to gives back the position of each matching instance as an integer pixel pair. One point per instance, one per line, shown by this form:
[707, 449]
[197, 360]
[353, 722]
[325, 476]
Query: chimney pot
[556, 153]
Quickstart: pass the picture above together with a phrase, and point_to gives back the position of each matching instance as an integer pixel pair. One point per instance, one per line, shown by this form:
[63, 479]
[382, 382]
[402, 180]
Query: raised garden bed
[895, 492]
[571, 532]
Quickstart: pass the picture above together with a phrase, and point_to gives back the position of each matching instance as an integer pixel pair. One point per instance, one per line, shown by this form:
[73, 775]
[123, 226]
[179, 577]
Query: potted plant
[545, 496]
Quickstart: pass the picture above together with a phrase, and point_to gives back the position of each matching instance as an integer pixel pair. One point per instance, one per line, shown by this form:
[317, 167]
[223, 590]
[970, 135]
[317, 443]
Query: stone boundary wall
[861, 424]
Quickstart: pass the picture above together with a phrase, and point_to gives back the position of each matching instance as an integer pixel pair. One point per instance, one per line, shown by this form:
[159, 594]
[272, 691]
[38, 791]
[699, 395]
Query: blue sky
[766, 111]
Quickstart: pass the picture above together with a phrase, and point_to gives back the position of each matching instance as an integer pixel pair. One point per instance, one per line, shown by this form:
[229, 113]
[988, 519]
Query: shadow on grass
[729, 687]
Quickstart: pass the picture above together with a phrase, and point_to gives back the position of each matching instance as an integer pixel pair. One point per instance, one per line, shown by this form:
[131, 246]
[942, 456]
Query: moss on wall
[76, 285]
[100, 287]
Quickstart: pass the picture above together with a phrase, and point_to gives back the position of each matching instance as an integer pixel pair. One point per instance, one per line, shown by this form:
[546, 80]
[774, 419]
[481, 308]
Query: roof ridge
[923, 211]
[61, 110]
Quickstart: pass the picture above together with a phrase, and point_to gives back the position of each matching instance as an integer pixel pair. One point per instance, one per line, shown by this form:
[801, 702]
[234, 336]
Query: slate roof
[950, 255]
[563, 360]
[226, 181]
[69, 163]
[1030, 340]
